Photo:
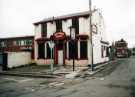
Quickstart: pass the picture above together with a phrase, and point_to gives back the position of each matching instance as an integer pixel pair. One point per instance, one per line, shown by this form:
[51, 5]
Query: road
[117, 79]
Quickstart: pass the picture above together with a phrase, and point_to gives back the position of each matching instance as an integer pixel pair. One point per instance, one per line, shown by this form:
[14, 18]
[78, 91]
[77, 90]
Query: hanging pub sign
[94, 28]
[59, 36]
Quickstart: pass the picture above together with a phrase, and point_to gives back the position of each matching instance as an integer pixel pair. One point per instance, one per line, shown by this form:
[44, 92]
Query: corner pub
[57, 30]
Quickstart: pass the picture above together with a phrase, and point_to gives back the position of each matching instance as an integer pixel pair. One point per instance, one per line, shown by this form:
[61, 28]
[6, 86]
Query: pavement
[44, 71]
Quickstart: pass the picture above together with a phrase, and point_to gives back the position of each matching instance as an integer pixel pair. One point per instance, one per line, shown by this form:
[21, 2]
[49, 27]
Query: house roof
[21, 37]
[85, 13]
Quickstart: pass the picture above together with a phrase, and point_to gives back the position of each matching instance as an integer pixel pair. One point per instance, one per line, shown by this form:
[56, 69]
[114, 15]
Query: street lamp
[51, 45]
[73, 36]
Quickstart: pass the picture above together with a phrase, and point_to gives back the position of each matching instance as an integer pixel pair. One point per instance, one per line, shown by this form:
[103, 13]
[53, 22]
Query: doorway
[59, 53]
[60, 57]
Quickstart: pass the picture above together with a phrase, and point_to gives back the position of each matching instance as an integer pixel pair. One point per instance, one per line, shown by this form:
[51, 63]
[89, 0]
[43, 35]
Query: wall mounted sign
[94, 28]
[59, 36]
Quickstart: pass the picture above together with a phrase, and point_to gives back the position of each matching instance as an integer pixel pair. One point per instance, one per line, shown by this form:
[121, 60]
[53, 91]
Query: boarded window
[73, 50]
[58, 25]
[49, 52]
[75, 24]
[83, 50]
[41, 51]
[44, 29]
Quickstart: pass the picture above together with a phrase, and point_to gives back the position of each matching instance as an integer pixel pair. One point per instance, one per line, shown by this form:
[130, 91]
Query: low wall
[67, 62]
[16, 59]
[43, 61]
[77, 62]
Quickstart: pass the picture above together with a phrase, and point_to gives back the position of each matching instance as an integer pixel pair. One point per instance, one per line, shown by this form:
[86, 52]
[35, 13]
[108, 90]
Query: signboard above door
[59, 36]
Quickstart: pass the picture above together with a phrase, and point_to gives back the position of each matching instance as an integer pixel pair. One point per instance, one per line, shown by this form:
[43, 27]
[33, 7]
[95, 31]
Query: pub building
[57, 30]
[17, 44]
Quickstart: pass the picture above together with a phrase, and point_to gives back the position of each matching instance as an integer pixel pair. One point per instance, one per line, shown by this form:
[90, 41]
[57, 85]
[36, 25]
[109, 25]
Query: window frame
[58, 25]
[73, 49]
[44, 29]
[48, 52]
[75, 24]
[41, 52]
[83, 57]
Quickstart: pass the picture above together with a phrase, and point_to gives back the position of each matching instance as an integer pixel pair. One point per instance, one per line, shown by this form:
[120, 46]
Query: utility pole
[91, 43]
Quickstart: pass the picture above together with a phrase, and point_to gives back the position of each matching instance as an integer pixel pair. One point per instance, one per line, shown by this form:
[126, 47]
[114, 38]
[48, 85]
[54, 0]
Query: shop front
[59, 39]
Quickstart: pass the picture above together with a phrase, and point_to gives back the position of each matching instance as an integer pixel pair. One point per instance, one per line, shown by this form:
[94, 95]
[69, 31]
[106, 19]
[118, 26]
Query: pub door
[59, 54]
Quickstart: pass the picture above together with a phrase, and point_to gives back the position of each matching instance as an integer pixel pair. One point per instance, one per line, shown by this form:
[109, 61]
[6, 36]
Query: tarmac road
[115, 80]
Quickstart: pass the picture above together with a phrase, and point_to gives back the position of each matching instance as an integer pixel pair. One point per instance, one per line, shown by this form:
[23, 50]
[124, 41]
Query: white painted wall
[16, 59]
[37, 31]
[84, 25]
[65, 25]
[97, 50]
[51, 28]
[98, 20]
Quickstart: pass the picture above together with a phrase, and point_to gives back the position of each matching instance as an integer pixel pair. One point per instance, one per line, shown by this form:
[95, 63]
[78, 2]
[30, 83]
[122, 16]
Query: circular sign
[59, 36]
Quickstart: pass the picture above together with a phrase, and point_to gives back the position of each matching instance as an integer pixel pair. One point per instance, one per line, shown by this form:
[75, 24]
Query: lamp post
[90, 14]
[51, 45]
[73, 36]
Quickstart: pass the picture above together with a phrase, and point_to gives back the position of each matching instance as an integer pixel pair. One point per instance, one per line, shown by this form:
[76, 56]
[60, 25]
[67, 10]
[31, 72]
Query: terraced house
[57, 29]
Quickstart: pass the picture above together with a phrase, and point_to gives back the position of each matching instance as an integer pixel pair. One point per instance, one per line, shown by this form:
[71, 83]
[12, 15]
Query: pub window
[58, 25]
[27, 42]
[107, 51]
[41, 51]
[73, 50]
[83, 49]
[3, 44]
[44, 29]
[49, 52]
[18, 42]
[75, 24]
[102, 51]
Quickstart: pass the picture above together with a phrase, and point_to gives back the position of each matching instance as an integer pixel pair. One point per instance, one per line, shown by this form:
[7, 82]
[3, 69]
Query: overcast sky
[17, 16]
